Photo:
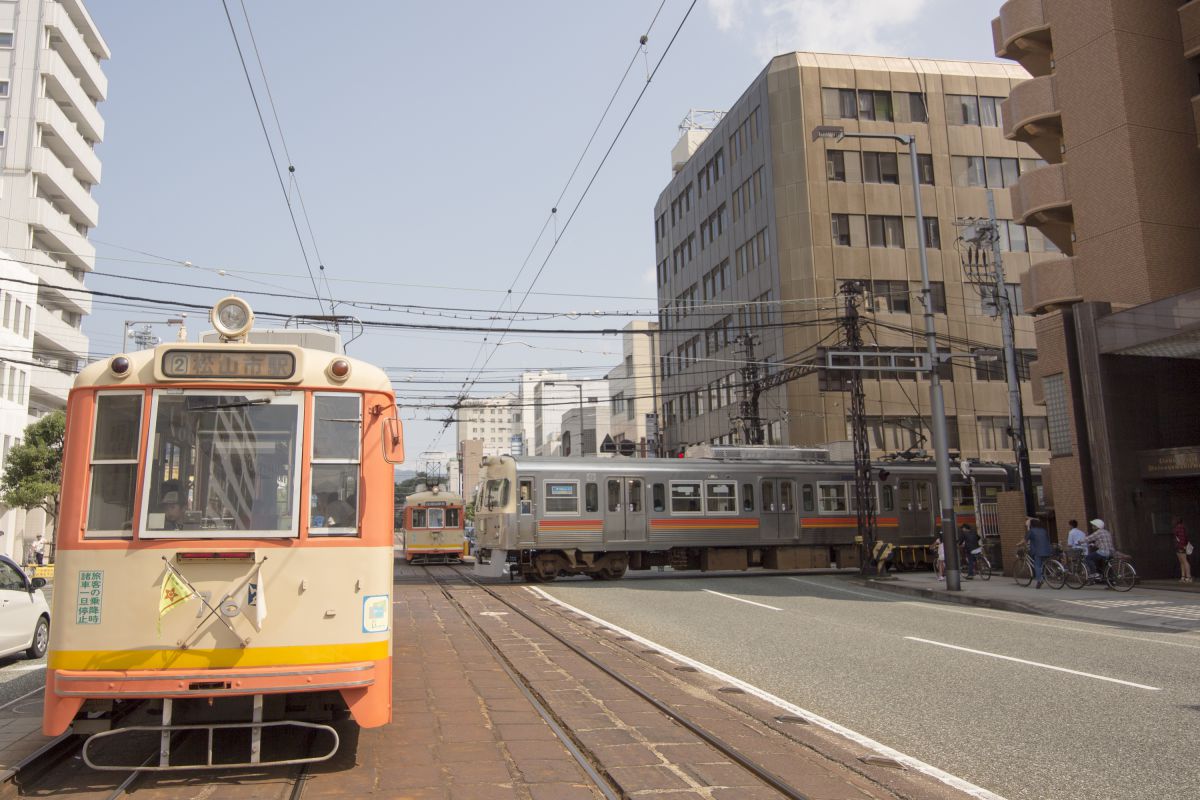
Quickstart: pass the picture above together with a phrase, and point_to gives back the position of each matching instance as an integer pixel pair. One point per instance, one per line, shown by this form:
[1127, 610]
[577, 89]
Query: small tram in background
[772, 507]
[199, 480]
[432, 527]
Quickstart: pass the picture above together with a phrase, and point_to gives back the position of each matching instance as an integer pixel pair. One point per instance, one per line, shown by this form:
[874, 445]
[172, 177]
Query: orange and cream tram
[433, 527]
[224, 547]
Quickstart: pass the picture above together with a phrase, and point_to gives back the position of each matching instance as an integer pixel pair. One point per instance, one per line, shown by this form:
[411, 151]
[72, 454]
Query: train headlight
[119, 366]
[339, 369]
[232, 317]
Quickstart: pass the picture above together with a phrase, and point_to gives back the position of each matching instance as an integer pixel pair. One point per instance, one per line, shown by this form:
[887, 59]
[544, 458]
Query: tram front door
[916, 509]
[779, 520]
[624, 510]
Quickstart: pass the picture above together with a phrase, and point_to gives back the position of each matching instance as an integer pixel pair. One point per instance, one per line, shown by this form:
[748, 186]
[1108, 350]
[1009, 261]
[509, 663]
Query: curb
[948, 597]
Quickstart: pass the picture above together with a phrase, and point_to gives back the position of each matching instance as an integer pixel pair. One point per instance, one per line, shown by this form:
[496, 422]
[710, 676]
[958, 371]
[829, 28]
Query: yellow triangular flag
[174, 592]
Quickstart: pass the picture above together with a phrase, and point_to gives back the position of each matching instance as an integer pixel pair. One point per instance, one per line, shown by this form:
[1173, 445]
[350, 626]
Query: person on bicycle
[1038, 542]
[970, 544]
[1102, 540]
[1076, 540]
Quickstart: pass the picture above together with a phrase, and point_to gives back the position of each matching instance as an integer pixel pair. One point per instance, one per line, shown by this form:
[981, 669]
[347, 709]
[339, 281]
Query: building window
[1037, 435]
[989, 111]
[910, 107]
[968, 171]
[849, 230]
[839, 104]
[835, 165]
[1001, 172]
[875, 105]
[993, 433]
[880, 168]
[6, 40]
[885, 231]
[1057, 421]
[925, 168]
[4, 88]
[933, 233]
[891, 296]
[962, 109]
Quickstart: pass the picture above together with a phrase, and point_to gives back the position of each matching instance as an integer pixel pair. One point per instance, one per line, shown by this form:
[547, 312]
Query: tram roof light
[232, 318]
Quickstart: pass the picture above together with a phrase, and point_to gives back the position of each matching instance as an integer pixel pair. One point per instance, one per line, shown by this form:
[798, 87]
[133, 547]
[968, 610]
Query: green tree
[33, 473]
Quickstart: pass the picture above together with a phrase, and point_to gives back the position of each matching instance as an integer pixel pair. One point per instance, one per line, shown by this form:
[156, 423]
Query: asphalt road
[1027, 707]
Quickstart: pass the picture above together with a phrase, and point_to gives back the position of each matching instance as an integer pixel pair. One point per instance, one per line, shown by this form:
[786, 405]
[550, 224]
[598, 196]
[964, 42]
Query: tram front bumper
[177, 683]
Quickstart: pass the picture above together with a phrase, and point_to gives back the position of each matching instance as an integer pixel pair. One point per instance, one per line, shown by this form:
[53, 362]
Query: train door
[526, 505]
[779, 520]
[916, 508]
[624, 510]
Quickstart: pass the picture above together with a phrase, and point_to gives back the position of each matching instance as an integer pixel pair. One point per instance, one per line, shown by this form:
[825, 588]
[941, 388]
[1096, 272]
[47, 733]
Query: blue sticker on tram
[376, 613]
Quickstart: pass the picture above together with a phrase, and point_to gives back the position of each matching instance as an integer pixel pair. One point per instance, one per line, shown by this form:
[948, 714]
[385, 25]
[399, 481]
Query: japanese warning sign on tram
[88, 596]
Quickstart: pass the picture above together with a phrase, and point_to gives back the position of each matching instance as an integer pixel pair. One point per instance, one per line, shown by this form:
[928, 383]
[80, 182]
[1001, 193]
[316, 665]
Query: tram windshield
[223, 464]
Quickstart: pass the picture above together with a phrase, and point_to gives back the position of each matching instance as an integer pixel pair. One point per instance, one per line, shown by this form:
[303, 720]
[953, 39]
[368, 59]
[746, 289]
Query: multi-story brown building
[760, 225]
[1113, 106]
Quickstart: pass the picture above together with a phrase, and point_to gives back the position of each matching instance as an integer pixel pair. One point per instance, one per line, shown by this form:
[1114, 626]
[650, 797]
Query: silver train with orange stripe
[772, 507]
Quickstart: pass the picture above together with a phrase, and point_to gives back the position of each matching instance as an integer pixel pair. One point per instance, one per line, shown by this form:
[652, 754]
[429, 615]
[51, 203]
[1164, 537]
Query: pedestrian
[1183, 549]
[39, 549]
[1038, 542]
[970, 543]
[941, 558]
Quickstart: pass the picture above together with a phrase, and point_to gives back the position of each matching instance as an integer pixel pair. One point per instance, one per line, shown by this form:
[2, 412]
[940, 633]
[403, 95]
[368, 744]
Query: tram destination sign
[238, 365]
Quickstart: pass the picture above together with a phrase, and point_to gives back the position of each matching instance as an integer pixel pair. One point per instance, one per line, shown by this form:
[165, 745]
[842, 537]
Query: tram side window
[806, 492]
[337, 437]
[685, 497]
[525, 506]
[747, 497]
[593, 498]
[659, 497]
[721, 497]
[787, 496]
[114, 466]
[889, 498]
[614, 494]
[562, 497]
[833, 497]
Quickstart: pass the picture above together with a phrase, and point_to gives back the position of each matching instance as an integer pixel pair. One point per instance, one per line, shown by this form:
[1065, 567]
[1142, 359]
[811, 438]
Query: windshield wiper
[263, 401]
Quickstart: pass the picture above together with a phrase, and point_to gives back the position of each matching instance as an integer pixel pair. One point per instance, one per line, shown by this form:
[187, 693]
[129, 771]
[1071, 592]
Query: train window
[614, 494]
[685, 497]
[768, 493]
[114, 464]
[660, 497]
[720, 497]
[452, 518]
[227, 462]
[923, 496]
[635, 492]
[889, 497]
[496, 494]
[526, 496]
[562, 497]
[593, 498]
[787, 496]
[436, 518]
[337, 436]
[806, 493]
[833, 497]
[747, 497]
[418, 518]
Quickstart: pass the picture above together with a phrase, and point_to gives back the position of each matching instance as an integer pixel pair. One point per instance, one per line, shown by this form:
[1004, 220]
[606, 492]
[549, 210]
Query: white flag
[255, 607]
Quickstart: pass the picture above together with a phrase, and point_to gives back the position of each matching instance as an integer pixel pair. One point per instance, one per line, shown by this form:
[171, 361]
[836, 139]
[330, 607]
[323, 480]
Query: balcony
[1049, 285]
[1040, 198]
[51, 335]
[61, 136]
[72, 293]
[1031, 115]
[86, 27]
[63, 86]
[54, 228]
[1022, 34]
[58, 182]
[71, 46]
[48, 387]
[1189, 22]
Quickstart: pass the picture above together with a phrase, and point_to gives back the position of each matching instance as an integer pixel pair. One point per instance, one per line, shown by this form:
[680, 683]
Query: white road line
[912, 763]
[1009, 616]
[740, 600]
[1036, 664]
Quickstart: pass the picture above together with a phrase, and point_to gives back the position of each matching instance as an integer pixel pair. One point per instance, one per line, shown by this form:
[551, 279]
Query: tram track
[594, 766]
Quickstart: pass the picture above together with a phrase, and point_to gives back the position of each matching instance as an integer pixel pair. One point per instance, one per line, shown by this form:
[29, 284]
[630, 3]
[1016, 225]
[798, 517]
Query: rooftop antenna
[700, 119]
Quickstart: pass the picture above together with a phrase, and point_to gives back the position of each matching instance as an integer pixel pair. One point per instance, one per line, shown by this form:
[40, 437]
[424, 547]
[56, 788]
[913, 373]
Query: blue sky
[430, 142]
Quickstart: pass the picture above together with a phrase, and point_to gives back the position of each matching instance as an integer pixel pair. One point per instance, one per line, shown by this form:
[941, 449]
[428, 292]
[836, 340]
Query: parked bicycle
[1118, 573]
[1022, 568]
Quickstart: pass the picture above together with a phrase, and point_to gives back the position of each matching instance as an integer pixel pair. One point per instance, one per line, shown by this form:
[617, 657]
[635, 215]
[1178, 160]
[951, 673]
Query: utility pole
[864, 491]
[748, 420]
[989, 282]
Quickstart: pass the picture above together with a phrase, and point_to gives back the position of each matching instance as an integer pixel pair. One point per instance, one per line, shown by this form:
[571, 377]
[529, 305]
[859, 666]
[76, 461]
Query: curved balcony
[1189, 22]
[1040, 199]
[1048, 285]
[1031, 115]
[1022, 34]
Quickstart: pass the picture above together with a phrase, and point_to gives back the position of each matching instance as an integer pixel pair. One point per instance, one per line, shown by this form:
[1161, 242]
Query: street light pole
[937, 400]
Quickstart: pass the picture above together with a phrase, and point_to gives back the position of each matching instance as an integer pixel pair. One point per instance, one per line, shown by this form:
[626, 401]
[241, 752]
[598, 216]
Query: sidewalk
[1153, 605]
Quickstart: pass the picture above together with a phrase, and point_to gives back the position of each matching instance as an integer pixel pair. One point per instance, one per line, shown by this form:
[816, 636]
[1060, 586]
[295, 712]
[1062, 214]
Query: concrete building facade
[51, 83]
[760, 226]
[1114, 107]
[552, 397]
[491, 420]
[18, 296]
[634, 385]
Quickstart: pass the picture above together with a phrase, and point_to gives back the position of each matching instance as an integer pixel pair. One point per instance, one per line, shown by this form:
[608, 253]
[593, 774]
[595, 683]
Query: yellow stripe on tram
[219, 658]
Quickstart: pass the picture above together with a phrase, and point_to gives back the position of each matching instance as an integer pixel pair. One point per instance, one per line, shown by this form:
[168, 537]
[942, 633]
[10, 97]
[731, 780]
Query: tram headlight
[119, 366]
[232, 317]
[339, 369]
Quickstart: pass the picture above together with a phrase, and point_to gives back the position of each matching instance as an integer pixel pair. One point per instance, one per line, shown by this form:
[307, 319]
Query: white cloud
[834, 26]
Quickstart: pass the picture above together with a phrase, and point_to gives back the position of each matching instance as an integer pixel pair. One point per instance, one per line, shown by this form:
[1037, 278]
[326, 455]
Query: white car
[24, 614]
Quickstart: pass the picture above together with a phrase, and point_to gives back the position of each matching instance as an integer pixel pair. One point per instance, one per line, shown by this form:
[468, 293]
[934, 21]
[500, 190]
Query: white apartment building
[50, 85]
[530, 381]
[634, 385]
[552, 399]
[18, 296]
[491, 420]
